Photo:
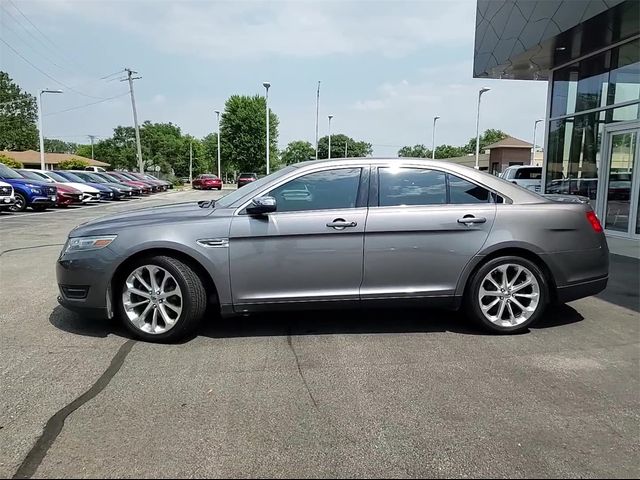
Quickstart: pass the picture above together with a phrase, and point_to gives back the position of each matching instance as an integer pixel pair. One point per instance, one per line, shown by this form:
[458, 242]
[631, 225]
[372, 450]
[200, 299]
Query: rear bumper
[569, 293]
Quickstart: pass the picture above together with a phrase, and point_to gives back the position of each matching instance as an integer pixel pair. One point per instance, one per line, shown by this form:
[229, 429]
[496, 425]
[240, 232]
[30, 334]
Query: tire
[219, 188]
[534, 296]
[192, 304]
[38, 208]
[20, 205]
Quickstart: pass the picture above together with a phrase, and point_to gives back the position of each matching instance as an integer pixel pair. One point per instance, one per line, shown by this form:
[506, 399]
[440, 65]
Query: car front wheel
[161, 299]
[20, 205]
[507, 294]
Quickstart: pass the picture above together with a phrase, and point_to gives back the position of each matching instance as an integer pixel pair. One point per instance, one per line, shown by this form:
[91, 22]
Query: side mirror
[262, 205]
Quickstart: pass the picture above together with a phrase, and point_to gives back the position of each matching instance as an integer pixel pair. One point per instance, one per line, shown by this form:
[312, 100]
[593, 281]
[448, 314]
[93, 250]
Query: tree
[53, 145]
[73, 164]
[338, 141]
[10, 162]
[298, 151]
[449, 151]
[18, 116]
[243, 130]
[489, 136]
[417, 151]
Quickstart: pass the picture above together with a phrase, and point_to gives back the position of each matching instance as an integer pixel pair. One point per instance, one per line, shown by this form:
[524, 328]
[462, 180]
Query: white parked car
[7, 196]
[89, 194]
[524, 175]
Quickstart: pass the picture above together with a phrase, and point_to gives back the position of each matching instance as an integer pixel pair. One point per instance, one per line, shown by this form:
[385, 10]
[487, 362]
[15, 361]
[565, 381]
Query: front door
[423, 228]
[619, 188]
[309, 249]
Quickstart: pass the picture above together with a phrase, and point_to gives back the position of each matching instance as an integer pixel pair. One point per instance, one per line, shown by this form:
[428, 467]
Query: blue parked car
[106, 193]
[29, 193]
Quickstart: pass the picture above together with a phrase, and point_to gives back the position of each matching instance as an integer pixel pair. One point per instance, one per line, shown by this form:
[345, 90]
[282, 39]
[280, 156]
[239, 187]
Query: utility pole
[91, 137]
[191, 162]
[317, 112]
[329, 154]
[131, 78]
[346, 144]
[266, 85]
[218, 142]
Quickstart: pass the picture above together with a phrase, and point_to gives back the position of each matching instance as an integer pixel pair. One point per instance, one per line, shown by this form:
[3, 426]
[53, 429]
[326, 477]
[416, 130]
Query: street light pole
[218, 142]
[317, 112]
[91, 137]
[40, 123]
[266, 85]
[329, 155]
[433, 140]
[533, 150]
[482, 90]
[191, 162]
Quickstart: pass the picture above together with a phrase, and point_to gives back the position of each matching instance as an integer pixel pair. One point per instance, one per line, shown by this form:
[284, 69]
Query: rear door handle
[341, 224]
[470, 220]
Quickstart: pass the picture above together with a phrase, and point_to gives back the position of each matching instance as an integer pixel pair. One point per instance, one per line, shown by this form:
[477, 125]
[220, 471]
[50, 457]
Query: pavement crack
[29, 248]
[304, 380]
[55, 424]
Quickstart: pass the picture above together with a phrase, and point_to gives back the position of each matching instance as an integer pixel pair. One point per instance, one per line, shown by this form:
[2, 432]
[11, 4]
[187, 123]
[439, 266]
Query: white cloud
[242, 29]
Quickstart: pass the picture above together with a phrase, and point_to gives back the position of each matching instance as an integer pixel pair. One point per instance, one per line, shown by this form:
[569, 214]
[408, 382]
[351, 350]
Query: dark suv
[245, 178]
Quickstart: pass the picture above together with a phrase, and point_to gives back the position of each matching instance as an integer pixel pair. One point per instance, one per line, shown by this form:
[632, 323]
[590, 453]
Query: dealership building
[589, 53]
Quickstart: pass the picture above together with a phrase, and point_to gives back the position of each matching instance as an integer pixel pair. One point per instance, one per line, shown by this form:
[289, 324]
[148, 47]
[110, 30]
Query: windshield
[28, 174]
[6, 172]
[57, 178]
[87, 177]
[250, 188]
[73, 178]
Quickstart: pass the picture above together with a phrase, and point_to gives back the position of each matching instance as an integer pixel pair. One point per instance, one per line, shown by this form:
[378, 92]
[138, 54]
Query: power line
[77, 107]
[68, 59]
[46, 74]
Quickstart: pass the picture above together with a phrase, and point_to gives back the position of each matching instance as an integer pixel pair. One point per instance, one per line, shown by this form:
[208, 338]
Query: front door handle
[341, 224]
[470, 219]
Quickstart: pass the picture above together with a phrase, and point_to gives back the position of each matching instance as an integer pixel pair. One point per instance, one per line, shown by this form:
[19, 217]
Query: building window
[599, 83]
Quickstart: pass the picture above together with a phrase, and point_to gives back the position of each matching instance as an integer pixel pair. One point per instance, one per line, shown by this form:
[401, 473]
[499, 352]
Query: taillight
[593, 220]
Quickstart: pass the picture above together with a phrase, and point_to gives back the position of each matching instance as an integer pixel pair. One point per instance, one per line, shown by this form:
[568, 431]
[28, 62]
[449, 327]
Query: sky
[386, 67]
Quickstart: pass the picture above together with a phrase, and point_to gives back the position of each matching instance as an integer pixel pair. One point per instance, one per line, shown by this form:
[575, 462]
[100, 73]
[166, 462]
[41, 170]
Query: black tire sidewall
[471, 299]
[185, 321]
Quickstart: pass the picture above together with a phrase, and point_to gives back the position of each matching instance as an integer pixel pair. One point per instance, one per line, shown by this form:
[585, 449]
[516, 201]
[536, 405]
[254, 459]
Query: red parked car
[246, 178]
[118, 177]
[207, 181]
[67, 195]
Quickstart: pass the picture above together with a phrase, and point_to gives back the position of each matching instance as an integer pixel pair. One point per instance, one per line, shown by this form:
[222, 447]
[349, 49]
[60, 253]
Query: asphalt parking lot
[399, 393]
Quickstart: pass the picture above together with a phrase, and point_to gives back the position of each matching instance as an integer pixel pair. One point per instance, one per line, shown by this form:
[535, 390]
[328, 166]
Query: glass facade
[586, 96]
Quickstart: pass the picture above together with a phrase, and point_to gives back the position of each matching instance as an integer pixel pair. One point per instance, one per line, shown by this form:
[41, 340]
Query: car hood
[82, 187]
[144, 217]
[24, 181]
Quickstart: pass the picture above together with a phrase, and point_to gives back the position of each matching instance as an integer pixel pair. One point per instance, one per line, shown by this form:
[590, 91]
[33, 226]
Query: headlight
[33, 188]
[77, 244]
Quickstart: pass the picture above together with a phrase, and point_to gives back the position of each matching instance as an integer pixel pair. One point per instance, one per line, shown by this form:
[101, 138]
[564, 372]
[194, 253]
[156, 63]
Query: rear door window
[411, 186]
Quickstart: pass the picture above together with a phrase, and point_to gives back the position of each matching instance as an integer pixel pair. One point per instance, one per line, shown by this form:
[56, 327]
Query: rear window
[529, 174]
[247, 175]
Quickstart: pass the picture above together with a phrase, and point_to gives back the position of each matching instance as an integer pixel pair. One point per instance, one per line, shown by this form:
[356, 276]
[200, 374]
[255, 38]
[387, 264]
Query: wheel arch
[186, 258]
[518, 250]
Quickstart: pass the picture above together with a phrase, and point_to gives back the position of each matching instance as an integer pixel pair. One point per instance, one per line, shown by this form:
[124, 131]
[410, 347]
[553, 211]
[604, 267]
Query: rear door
[310, 249]
[424, 226]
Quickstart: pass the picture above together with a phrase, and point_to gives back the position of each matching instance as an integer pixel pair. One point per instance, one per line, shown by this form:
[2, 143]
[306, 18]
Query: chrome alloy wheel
[509, 295]
[152, 299]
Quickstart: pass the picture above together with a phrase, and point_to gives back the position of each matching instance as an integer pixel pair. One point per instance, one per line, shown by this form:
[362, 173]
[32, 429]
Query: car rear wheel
[161, 299]
[20, 205]
[507, 294]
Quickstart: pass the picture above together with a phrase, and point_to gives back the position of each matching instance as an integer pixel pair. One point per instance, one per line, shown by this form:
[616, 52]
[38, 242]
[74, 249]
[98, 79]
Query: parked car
[94, 169]
[106, 193]
[586, 187]
[136, 190]
[145, 188]
[160, 185]
[526, 176]
[7, 198]
[151, 177]
[119, 191]
[376, 232]
[89, 194]
[38, 195]
[207, 181]
[153, 187]
[65, 196]
[245, 178]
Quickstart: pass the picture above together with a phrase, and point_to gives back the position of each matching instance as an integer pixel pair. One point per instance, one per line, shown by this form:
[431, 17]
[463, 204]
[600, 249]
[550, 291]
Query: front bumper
[7, 201]
[84, 280]
[68, 199]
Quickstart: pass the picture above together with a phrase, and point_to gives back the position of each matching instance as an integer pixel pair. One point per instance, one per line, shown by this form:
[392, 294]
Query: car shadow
[320, 322]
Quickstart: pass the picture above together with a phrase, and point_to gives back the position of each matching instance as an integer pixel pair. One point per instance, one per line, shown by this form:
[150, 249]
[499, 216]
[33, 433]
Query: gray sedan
[338, 233]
